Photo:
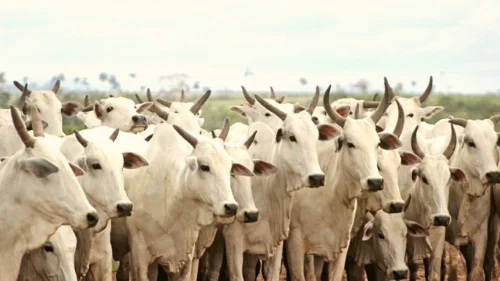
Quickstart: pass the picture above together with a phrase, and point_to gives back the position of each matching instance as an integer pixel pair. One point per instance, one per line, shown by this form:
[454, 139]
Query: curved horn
[80, 139]
[213, 134]
[86, 101]
[158, 111]
[26, 138]
[164, 102]
[458, 121]
[36, 123]
[225, 130]
[183, 97]
[495, 118]
[139, 100]
[187, 136]
[356, 111]
[401, 120]
[114, 135]
[20, 87]
[248, 97]
[375, 97]
[370, 104]
[414, 144]
[149, 96]
[451, 146]
[22, 99]
[427, 92]
[199, 103]
[250, 139]
[271, 108]
[273, 95]
[56, 86]
[314, 101]
[328, 108]
[384, 104]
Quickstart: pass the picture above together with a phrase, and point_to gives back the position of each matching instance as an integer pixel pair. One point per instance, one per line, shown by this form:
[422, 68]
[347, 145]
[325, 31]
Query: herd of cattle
[354, 185]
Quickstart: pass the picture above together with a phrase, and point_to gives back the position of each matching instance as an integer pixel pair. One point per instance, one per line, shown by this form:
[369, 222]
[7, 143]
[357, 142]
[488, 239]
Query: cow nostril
[251, 216]
[396, 208]
[399, 274]
[316, 180]
[135, 118]
[441, 221]
[92, 219]
[375, 184]
[493, 177]
[124, 209]
[230, 209]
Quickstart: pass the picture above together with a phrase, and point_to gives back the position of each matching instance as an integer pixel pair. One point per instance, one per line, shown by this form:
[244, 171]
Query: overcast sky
[327, 42]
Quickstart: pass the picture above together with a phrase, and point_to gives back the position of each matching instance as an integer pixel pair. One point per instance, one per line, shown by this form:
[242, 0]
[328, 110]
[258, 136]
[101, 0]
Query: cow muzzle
[251, 217]
[375, 184]
[399, 274]
[394, 207]
[140, 123]
[316, 180]
[124, 209]
[92, 219]
[441, 220]
[230, 209]
[493, 177]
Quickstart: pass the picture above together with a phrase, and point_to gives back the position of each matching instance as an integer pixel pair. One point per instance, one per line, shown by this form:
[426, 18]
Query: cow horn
[458, 121]
[384, 104]
[213, 134]
[21, 88]
[164, 102]
[22, 99]
[86, 101]
[427, 92]
[356, 111]
[495, 118]
[370, 104]
[56, 86]
[375, 97]
[80, 139]
[451, 146]
[26, 138]
[401, 120]
[328, 108]
[250, 139]
[139, 100]
[248, 97]
[225, 130]
[36, 122]
[271, 108]
[183, 97]
[158, 111]
[114, 135]
[314, 101]
[414, 144]
[273, 95]
[187, 136]
[199, 103]
[149, 96]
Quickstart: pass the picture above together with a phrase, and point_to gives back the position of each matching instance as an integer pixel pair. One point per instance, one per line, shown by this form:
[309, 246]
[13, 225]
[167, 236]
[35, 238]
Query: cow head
[295, 147]
[359, 142]
[120, 113]
[477, 149]
[103, 182]
[387, 233]
[49, 107]
[433, 175]
[53, 189]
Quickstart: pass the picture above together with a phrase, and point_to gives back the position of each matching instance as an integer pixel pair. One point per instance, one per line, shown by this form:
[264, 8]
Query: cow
[53, 261]
[6, 119]
[49, 106]
[351, 162]
[39, 188]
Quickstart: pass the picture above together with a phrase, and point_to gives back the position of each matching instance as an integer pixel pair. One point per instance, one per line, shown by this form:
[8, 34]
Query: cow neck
[341, 184]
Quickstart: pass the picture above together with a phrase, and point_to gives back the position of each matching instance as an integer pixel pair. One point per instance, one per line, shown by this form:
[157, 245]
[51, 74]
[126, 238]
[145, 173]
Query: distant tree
[142, 88]
[303, 81]
[84, 82]
[103, 76]
[399, 87]
[2, 78]
[362, 86]
[115, 85]
[4, 99]
[76, 80]
[25, 80]
[413, 83]
[196, 85]
[132, 75]
[248, 72]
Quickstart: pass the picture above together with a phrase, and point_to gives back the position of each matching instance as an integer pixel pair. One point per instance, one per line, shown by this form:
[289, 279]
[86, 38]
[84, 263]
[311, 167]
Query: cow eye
[48, 249]
[424, 179]
[471, 144]
[109, 109]
[267, 114]
[381, 235]
[350, 145]
[293, 139]
[205, 168]
[410, 115]
[96, 166]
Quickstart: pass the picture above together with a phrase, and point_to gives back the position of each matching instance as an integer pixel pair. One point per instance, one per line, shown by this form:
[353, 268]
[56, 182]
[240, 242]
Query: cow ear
[263, 168]
[343, 110]
[192, 163]
[327, 132]
[98, 109]
[414, 174]
[279, 135]
[298, 108]
[238, 110]
[140, 108]
[76, 170]
[38, 166]
[409, 158]
[133, 161]
[415, 229]
[82, 163]
[431, 111]
[148, 138]
[368, 231]
[239, 170]
[389, 141]
[457, 174]
[71, 108]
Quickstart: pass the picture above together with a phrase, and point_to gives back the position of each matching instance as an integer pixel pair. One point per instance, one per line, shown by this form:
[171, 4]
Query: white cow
[39, 189]
[49, 106]
[5, 117]
[53, 261]
[116, 112]
[351, 162]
